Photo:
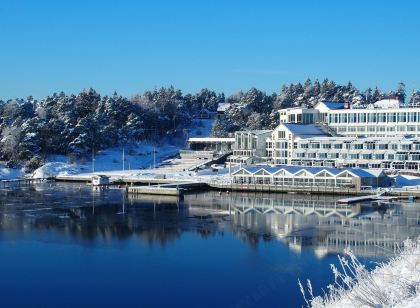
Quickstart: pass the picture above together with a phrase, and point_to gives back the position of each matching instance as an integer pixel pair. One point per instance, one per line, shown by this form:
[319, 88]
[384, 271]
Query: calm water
[66, 246]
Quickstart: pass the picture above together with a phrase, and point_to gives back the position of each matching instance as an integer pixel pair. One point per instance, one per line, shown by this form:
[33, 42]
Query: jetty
[22, 181]
[167, 189]
[377, 197]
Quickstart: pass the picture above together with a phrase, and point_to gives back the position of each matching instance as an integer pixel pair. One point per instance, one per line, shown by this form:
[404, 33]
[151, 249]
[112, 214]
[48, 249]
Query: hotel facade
[383, 135]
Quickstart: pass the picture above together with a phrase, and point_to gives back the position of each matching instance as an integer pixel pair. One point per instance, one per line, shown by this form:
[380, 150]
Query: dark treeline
[79, 124]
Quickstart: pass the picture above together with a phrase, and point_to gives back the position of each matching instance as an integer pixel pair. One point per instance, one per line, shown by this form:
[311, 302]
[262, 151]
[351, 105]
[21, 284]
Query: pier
[167, 189]
[20, 182]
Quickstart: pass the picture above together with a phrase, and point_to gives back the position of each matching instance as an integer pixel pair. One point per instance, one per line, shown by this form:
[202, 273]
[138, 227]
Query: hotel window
[369, 146]
[393, 146]
[411, 128]
[326, 146]
[382, 117]
[416, 146]
[390, 128]
[402, 117]
[351, 129]
[361, 129]
[381, 128]
[405, 147]
[391, 156]
[352, 118]
[332, 155]
[382, 146]
[366, 156]
[372, 118]
[343, 118]
[386, 165]
[415, 156]
[342, 129]
[371, 128]
[378, 156]
[338, 146]
[282, 134]
[362, 118]
[412, 117]
[392, 117]
[401, 128]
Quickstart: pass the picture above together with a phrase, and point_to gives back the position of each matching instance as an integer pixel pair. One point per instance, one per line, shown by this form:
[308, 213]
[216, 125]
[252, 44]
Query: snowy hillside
[138, 157]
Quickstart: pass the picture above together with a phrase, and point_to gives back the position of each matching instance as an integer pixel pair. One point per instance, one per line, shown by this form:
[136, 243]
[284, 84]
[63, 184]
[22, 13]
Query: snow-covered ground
[395, 283]
[136, 157]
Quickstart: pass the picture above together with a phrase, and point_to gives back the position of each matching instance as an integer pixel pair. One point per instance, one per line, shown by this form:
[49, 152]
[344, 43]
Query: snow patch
[53, 169]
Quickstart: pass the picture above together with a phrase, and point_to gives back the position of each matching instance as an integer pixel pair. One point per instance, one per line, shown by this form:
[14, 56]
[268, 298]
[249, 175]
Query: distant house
[222, 108]
[100, 180]
[207, 114]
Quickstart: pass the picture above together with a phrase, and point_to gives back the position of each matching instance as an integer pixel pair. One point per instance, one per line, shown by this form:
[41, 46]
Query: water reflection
[302, 222]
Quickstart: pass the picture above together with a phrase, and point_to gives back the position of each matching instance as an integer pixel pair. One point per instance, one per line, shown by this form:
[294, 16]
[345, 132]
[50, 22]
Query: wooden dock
[360, 199]
[167, 189]
[22, 181]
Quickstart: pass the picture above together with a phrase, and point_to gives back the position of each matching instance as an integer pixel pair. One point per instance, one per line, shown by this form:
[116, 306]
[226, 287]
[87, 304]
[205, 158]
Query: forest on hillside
[77, 125]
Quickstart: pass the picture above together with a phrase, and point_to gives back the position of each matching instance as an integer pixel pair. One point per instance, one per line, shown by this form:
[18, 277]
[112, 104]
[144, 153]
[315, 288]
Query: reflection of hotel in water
[313, 222]
[320, 224]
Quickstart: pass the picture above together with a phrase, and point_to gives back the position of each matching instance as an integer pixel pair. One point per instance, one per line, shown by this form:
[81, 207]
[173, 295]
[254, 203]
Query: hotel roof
[313, 170]
[302, 130]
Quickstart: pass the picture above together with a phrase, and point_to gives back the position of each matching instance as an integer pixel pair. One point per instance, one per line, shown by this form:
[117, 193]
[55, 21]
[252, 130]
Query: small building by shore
[100, 180]
[356, 179]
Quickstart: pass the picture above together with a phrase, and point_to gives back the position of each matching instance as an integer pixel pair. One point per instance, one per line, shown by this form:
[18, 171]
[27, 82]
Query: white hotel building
[384, 135]
[383, 119]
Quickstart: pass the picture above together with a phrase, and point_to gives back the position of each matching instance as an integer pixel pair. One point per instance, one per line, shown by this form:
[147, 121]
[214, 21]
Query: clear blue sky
[132, 46]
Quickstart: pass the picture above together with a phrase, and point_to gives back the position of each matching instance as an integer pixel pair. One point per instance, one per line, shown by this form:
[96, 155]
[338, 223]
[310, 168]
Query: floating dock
[377, 197]
[167, 189]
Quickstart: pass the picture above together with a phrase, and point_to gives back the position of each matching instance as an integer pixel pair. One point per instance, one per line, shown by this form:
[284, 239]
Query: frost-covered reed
[388, 285]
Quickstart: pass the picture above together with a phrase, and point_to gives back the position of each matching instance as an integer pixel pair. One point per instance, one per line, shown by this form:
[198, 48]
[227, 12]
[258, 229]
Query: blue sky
[132, 46]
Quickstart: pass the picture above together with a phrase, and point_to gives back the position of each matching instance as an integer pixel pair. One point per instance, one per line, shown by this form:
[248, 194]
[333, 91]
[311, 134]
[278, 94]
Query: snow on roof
[211, 139]
[308, 129]
[387, 103]
[334, 105]
[314, 170]
[223, 107]
[256, 132]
